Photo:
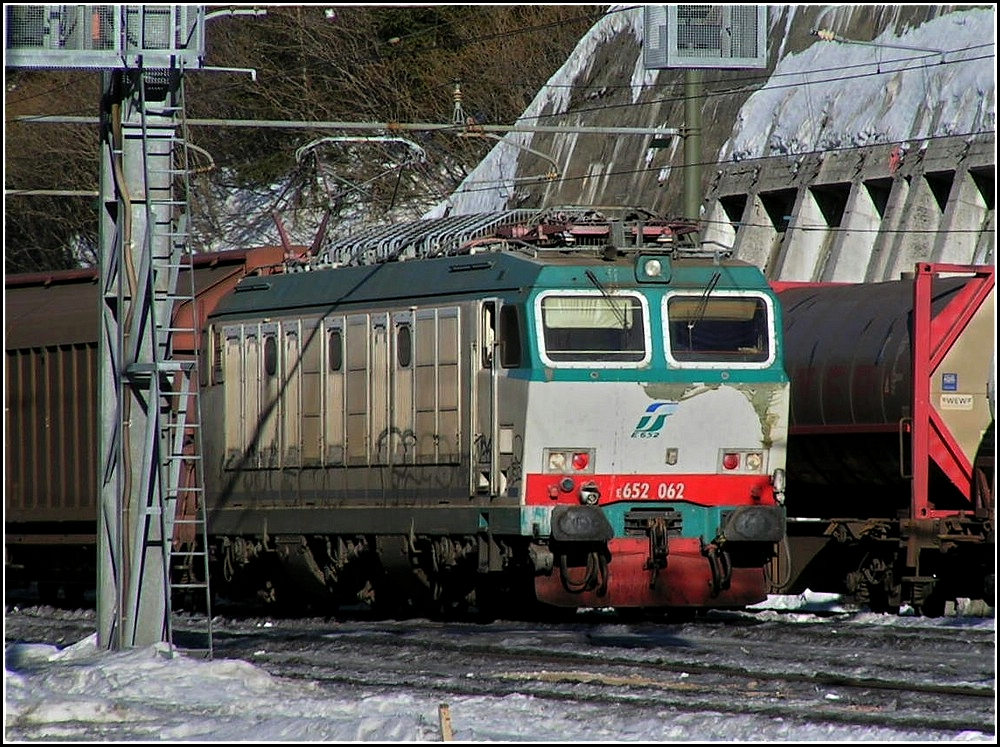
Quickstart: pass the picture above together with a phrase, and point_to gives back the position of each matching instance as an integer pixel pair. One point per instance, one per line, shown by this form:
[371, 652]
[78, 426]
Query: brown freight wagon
[51, 485]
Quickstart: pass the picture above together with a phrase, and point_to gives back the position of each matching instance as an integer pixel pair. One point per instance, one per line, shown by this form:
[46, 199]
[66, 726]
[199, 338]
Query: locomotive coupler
[594, 576]
[656, 530]
[720, 564]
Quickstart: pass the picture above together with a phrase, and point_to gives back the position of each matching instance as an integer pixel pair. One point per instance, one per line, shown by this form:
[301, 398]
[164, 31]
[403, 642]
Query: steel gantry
[151, 514]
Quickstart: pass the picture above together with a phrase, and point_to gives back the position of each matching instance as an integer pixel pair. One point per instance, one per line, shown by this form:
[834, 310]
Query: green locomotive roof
[453, 278]
[388, 283]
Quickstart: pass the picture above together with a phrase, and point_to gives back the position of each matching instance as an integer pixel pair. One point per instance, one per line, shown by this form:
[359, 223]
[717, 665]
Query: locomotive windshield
[593, 328]
[718, 328]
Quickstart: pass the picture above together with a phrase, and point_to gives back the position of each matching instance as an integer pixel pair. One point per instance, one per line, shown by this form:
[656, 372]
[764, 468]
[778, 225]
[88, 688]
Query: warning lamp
[557, 461]
[568, 461]
[742, 460]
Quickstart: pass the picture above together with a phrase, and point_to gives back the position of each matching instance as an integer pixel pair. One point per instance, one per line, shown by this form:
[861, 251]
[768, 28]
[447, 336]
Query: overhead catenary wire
[490, 185]
[74, 116]
[883, 70]
[524, 120]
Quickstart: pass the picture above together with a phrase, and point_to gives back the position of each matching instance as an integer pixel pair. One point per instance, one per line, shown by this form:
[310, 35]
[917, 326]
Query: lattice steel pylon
[149, 436]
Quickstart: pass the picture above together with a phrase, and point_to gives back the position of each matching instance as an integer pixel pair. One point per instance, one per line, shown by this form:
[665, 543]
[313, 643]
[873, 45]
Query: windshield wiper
[699, 312]
[618, 312]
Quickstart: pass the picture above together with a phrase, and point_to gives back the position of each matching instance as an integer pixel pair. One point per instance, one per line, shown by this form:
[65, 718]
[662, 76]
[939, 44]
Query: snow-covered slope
[849, 91]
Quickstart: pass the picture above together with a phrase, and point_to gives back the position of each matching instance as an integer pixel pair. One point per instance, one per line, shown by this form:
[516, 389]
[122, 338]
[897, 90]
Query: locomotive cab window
[588, 328]
[510, 337]
[724, 328]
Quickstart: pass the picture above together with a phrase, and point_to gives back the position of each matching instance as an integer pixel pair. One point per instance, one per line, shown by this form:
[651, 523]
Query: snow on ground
[82, 693]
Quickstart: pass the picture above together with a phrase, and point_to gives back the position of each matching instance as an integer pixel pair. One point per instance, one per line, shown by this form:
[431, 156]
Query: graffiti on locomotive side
[483, 448]
[516, 469]
[652, 421]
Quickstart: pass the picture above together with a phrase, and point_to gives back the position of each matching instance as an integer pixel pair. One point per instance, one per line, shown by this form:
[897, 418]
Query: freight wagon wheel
[875, 583]
[985, 464]
[928, 597]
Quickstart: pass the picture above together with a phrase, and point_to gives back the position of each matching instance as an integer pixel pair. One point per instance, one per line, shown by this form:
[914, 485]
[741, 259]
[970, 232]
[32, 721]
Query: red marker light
[730, 460]
[580, 461]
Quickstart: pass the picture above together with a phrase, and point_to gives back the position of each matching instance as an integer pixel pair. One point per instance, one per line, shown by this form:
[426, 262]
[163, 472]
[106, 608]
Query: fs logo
[652, 421]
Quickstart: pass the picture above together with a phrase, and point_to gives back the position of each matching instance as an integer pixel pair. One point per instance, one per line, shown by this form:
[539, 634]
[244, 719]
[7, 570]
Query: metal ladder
[182, 533]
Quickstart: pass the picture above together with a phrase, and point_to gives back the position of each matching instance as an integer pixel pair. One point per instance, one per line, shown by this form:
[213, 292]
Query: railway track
[864, 675]
[924, 677]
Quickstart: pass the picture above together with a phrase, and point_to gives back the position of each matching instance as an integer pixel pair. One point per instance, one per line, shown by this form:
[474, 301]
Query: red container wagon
[891, 448]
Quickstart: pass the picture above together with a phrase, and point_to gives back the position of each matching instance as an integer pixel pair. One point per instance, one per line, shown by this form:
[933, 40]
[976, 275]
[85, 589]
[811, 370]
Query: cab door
[485, 457]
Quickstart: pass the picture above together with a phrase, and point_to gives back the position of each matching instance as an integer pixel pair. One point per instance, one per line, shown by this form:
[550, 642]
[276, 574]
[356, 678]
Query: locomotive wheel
[392, 601]
[388, 605]
[486, 599]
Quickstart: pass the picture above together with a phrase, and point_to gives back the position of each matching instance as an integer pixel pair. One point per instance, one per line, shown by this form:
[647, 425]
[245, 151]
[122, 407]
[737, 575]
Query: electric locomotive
[568, 407]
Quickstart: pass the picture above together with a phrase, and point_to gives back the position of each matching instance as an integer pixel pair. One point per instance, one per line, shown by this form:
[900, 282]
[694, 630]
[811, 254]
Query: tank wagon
[566, 407]
[891, 440]
[50, 402]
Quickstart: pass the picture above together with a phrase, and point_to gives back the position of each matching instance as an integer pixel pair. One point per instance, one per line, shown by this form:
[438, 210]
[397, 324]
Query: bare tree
[44, 231]
[373, 64]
